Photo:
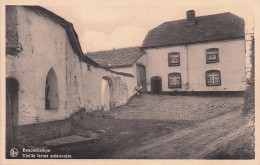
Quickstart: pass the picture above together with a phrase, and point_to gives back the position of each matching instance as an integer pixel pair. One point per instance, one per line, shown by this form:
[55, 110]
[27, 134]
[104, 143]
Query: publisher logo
[14, 152]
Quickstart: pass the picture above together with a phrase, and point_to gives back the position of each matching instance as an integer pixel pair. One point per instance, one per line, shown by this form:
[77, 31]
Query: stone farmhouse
[48, 78]
[197, 54]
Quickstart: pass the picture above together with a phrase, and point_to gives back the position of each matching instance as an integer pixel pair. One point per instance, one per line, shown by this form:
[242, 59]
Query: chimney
[190, 17]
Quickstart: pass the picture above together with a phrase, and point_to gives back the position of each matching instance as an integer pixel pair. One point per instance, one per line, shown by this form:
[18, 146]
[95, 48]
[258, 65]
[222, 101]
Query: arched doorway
[156, 85]
[51, 91]
[11, 112]
[107, 91]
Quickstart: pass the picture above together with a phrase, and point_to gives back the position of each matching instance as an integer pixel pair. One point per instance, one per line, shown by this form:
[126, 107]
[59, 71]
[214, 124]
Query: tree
[249, 97]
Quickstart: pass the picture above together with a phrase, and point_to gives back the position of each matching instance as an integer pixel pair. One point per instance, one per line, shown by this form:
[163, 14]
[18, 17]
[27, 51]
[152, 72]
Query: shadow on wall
[12, 87]
[114, 92]
[107, 93]
[51, 91]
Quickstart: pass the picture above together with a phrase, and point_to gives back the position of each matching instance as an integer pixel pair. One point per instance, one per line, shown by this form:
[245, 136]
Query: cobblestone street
[166, 107]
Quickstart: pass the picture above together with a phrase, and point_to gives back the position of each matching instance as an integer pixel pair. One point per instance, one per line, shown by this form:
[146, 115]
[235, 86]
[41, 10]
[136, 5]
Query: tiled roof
[207, 28]
[116, 58]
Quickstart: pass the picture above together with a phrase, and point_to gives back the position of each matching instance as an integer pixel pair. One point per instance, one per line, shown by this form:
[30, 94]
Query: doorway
[141, 77]
[156, 85]
[107, 93]
[11, 112]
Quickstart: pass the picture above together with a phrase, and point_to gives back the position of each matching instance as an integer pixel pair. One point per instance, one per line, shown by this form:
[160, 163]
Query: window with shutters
[213, 78]
[174, 80]
[212, 55]
[174, 59]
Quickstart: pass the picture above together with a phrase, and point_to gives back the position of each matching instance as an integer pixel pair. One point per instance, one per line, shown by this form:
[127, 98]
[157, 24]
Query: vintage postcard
[109, 82]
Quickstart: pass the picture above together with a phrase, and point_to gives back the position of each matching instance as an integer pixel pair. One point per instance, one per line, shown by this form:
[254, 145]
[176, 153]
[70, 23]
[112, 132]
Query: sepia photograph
[128, 80]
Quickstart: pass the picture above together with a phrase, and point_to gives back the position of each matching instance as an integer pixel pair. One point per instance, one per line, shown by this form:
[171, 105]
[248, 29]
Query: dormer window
[174, 59]
[212, 55]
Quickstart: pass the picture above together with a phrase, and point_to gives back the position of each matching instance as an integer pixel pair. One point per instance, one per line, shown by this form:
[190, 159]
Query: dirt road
[168, 127]
[198, 141]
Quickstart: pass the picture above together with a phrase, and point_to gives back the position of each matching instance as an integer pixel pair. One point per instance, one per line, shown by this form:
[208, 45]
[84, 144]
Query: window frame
[174, 74]
[208, 61]
[51, 76]
[213, 71]
[89, 68]
[169, 59]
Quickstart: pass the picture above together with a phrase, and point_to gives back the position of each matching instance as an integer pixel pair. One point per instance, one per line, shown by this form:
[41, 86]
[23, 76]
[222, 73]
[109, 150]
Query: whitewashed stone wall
[45, 46]
[232, 65]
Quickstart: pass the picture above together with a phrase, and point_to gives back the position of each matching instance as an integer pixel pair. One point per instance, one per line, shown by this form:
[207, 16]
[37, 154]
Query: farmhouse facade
[200, 54]
[196, 54]
[48, 79]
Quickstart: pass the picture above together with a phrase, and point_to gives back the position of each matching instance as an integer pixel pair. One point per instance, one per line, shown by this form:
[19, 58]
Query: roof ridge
[201, 17]
[42, 9]
[68, 26]
[72, 35]
[112, 50]
[212, 27]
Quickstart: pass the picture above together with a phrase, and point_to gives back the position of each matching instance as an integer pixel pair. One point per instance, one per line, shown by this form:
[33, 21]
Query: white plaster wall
[129, 70]
[157, 65]
[142, 60]
[132, 70]
[105, 95]
[45, 46]
[92, 81]
[232, 66]
[135, 74]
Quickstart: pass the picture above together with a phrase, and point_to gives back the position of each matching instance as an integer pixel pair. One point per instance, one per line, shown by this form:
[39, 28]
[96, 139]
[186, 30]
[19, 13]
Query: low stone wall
[32, 134]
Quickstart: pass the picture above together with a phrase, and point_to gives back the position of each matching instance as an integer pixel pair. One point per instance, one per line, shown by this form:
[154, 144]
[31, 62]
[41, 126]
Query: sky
[104, 25]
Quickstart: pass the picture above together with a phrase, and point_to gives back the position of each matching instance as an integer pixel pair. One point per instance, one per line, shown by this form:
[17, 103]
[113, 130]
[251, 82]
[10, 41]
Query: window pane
[213, 78]
[174, 59]
[212, 55]
[212, 51]
[216, 80]
[210, 80]
[175, 80]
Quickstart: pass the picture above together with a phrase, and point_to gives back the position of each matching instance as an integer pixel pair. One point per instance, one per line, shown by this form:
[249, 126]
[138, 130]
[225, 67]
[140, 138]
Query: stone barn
[48, 78]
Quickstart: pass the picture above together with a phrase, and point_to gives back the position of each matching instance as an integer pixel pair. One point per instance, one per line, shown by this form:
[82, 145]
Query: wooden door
[156, 85]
